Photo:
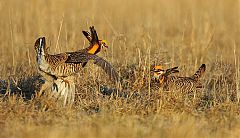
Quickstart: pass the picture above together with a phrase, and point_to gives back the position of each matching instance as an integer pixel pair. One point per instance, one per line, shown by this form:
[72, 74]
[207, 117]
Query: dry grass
[184, 34]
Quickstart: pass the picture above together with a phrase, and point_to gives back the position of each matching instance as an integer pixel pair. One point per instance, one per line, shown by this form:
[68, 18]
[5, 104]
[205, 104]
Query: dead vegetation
[139, 34]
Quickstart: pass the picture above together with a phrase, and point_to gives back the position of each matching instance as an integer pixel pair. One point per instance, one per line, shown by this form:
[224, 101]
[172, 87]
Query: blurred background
[184, 33]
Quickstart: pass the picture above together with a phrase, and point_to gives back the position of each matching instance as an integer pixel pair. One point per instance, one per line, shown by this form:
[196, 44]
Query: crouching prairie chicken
[59, 70]
[176, 83]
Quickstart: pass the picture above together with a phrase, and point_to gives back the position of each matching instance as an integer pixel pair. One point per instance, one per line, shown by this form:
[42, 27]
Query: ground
[139, 34]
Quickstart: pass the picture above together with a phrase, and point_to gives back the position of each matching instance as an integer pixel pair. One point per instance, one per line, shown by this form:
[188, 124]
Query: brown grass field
[140, 33]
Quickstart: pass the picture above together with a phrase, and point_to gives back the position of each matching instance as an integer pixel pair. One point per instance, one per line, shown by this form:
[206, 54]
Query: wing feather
[56, 60]
[107, 67]
[78, 57]
[81, 57]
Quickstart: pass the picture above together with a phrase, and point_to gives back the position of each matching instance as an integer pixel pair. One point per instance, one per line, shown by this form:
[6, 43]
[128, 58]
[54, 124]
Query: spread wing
[107, 67]
[58, 58]
[82, 57]
[78, 57]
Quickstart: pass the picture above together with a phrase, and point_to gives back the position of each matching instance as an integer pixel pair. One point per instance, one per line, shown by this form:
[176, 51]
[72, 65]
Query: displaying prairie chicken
[59, 70]
[95, 45]
[182, 84]
[69, 63]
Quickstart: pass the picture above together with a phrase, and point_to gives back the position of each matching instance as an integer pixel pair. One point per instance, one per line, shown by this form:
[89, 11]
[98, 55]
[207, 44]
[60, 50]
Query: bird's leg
[67, 83]
[43, 88]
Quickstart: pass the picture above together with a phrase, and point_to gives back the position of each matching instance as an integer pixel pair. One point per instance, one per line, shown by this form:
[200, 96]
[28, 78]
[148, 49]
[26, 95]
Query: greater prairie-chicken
[62, 67]
[66, 64]
[95, 45]
[176, 83]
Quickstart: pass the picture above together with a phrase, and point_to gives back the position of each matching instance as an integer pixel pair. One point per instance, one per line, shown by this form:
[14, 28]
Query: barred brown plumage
[69, 63]
[59, 70]
[183, 84]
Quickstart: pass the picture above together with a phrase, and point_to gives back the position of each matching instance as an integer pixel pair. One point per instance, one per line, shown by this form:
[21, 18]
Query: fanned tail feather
[199, 72]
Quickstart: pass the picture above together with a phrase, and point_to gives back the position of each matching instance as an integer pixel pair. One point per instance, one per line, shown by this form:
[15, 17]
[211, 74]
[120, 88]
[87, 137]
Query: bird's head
[157, 71]
[103, 43]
